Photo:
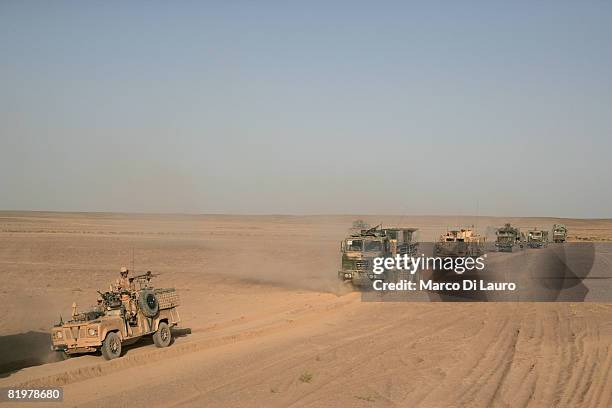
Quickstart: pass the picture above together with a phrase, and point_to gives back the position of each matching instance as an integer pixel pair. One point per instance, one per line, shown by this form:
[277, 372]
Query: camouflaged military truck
[508, 238]
[120, 318]
[537, 238]
[359, 249]
[559, 233]
[461, 243]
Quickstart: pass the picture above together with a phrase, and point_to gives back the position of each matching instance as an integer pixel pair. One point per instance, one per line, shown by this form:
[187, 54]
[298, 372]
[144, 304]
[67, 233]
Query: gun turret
[143, 279]
[146, 276]
[111, 300]
[371, 231]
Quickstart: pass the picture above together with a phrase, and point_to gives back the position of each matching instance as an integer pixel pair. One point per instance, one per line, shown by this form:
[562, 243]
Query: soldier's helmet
[124, 271]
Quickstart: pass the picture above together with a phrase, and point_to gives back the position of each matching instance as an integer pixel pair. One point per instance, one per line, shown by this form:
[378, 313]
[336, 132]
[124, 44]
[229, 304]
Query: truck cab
[359, 250]
[508, 238]
[537, 238]
[459, 243]
[559, 233]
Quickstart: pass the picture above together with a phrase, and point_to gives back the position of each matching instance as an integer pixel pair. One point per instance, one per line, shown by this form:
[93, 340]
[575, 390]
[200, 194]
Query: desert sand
[266, 323]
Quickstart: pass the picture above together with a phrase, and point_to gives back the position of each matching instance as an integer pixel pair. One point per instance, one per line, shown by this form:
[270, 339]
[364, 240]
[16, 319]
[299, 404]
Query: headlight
[92, 332]
[59, 335]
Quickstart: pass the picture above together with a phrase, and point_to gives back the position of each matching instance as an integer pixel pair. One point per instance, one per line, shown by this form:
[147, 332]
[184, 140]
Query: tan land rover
[121, 317]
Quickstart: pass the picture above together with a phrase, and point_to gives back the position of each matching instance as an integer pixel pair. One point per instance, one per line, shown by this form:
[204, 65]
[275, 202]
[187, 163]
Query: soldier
[123, 283]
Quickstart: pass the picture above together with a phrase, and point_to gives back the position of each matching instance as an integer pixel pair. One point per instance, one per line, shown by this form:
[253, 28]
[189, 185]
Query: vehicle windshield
[371, 246]
[392, 234]
[354, 245]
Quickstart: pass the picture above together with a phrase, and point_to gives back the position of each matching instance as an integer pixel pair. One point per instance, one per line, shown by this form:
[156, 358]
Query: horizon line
[228, 214]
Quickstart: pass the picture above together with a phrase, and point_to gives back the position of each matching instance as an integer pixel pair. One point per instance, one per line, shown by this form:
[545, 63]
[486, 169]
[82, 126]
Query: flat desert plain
[266, 323]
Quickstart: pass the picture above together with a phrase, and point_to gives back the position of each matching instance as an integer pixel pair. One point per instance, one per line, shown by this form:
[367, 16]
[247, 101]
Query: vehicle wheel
[148, 303]
[111, 347]
[66, 356]
[163, 336]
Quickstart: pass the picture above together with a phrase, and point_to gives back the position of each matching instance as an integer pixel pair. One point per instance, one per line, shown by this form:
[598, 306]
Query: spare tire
[147, 301]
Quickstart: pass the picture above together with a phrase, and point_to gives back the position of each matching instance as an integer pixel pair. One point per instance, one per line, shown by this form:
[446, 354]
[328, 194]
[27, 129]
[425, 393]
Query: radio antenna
[477, 214]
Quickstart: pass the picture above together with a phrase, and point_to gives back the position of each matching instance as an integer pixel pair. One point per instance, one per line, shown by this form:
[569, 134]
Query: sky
[452, 108]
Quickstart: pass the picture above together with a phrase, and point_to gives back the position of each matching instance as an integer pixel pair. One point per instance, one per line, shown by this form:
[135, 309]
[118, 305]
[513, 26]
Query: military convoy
[509, 238]
[559, 233]
[123, 315]
[359, 249]
[464, 242]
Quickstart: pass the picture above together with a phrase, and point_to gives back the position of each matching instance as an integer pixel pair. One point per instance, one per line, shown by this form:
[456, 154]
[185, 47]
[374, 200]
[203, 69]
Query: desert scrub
[306, 377]
[365, 398]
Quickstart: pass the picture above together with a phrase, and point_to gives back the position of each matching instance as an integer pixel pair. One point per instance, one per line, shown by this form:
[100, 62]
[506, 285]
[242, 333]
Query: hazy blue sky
[307, 107]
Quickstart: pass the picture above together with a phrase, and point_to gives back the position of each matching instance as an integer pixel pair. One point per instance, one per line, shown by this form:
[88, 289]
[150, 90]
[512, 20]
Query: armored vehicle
[559, 233]
[463, 242]
[359, 250]
[537, 238]
[508, 238]
[121, 317]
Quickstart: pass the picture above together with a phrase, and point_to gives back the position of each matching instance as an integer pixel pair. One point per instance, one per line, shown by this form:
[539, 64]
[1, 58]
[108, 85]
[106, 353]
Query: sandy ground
[270, 325]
